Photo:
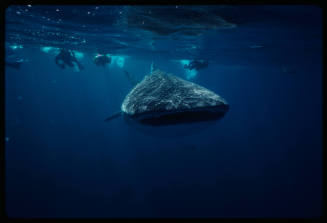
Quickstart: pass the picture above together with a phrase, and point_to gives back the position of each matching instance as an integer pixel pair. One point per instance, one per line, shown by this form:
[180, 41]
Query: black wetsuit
[12, 60]
[67, 57]
[102, 60]
[196, 64]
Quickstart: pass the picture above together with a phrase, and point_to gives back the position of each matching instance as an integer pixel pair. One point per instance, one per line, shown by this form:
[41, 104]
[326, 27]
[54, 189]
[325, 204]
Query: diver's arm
[80, 66]
[72, 53]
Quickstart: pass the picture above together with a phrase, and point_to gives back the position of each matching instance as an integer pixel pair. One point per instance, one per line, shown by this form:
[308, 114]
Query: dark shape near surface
[67, 58]
[196, 64]
[185, 20]
[102, 60]
[164, 99]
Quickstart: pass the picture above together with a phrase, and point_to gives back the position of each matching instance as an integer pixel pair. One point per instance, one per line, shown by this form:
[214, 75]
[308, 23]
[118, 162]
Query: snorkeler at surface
[13, 59]
[101, 60]
[196, 64]
[67, 57]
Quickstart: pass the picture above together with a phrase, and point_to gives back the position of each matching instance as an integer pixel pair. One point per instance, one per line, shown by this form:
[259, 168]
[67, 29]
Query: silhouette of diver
[15, 64]
[196, 64]
[12, 59]
[67, 57]
[101, 60]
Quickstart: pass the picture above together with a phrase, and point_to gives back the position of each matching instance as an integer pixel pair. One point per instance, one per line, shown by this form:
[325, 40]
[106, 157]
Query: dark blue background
[263, 159]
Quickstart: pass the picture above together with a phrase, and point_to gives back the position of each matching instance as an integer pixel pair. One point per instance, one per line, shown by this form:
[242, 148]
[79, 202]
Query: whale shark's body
[164, 99]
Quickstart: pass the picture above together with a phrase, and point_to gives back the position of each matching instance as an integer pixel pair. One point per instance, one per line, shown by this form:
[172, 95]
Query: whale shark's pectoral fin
[113, 116]
[130, 78]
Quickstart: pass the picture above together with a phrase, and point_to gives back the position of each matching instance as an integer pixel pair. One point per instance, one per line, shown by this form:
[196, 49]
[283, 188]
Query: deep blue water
[262, 159]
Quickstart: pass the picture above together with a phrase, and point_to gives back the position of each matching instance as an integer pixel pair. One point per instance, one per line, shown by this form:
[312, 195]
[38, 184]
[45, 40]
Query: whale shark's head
[162, 99]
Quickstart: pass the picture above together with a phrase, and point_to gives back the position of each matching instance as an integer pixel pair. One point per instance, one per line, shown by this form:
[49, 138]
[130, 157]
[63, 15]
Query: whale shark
[162, 99]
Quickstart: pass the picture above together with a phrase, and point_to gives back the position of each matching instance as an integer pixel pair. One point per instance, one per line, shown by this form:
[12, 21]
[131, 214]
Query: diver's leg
[79, 66]
[57, 61]
[70, 63]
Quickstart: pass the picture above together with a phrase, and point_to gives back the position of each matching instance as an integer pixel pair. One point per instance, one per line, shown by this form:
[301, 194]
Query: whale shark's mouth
[179, 117]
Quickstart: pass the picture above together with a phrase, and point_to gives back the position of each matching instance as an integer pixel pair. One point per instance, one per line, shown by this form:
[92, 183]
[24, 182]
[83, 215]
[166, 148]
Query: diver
[67, 57]
[196, 64]
[101, 60]
[13, 59]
